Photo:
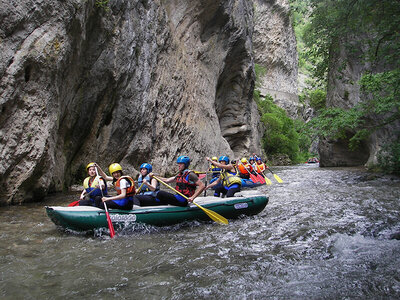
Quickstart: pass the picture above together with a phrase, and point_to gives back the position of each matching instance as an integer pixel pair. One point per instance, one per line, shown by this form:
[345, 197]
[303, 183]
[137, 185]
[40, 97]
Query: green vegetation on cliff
[368, 30]
[282, 135]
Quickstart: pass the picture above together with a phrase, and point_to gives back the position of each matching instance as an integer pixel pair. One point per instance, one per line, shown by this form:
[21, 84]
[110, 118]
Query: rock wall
[344, 92]
[129, 82]
[275, 50]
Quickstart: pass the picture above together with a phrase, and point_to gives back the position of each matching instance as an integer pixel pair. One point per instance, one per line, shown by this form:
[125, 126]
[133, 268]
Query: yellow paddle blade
[267, 180]
[278, 179]
[213, 215]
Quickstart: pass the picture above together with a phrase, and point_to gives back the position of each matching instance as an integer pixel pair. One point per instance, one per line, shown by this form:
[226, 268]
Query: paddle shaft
[275, 176]
[252, 176]
[170, 187]
[140, 187]
[212, 214]
[75, 203]
[110, 225]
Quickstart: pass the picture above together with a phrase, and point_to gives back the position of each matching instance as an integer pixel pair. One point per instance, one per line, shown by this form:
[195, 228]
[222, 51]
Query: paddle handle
[140, 187]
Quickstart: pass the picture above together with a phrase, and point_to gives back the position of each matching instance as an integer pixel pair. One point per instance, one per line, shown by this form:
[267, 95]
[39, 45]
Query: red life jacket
[183, 185]
[130, 191]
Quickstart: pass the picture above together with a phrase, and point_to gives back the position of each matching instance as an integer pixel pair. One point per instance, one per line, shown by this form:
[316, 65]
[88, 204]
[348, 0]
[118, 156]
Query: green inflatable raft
[82, 218]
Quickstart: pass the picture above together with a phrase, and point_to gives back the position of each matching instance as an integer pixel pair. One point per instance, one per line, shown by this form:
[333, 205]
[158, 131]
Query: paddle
[110, 225]
[276, 176]
[252, 176]
[140, 187]
[76, 203]
[261, 178]
[200, 174]
[212, 214]
[267, 181]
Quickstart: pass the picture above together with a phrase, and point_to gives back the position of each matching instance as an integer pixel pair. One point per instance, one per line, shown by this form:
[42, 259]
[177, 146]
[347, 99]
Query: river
[325, 234]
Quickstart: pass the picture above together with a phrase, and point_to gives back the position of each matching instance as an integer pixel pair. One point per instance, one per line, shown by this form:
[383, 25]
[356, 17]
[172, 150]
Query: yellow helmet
[114, 168]
[244, 160]
[92, 164]
[214, 158]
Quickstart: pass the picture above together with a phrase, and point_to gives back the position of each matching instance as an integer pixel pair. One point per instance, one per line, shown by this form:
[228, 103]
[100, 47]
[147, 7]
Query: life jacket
[228, 178]
[183, 185]
[215, 170]
[260, 168]
[130, 191]
[144, 190]
[89, 185]
[242, 168]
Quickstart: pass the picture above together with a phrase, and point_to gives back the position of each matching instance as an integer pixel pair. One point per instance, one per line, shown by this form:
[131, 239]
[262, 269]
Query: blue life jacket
[145, 189]
[91, 186]
[215, 171]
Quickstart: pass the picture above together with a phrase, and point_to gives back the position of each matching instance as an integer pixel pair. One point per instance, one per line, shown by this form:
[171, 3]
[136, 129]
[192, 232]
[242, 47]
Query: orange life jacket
[130, 191]
[242, 168]
[260, 167]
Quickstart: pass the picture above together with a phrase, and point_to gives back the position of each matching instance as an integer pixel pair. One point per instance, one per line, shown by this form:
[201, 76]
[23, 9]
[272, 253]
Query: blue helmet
[183, 160]
[147, 166]
[251, 158]
[224, 158]
[258, 159]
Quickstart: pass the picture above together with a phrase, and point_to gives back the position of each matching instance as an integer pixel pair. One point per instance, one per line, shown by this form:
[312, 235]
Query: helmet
[224, 158]
[92, 164]
[251, 158]
[214, 158]
[258, 159]
[183, 160]
[147, 166]
[244, 160]
[114, 168]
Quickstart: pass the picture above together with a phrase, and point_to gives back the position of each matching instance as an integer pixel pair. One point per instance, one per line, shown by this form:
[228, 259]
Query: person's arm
[102, 174]
[152, 185]
[124, 184]
[82, 194]
[120, 196]
[166, 180]
[219, 165]
[200, 188]
[213, 184]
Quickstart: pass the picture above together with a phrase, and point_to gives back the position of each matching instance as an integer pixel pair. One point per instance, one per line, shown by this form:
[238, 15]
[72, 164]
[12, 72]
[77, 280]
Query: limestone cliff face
[132, 82]
[275, 50]
[344, 92]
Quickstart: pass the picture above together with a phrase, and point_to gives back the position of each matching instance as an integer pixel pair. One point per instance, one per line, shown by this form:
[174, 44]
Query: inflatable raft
[82, 218]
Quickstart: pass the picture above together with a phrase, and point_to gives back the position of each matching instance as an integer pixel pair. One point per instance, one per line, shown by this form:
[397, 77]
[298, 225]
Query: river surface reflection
[326, 233]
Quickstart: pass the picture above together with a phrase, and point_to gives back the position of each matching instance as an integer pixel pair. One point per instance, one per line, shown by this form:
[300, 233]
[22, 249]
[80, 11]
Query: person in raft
[252, 161]
[148, 187]
[231, 183]
[124, 185]
[245, 169]
[260, 167]
[187, 183]
[91, 187]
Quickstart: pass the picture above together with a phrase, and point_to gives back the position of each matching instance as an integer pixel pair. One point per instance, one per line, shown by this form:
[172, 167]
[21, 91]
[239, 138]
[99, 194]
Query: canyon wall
[128, 81]
[346, 68]
[275, 51]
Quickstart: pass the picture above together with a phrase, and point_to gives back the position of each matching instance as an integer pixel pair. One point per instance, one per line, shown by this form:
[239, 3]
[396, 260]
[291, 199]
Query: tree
[373, 25]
